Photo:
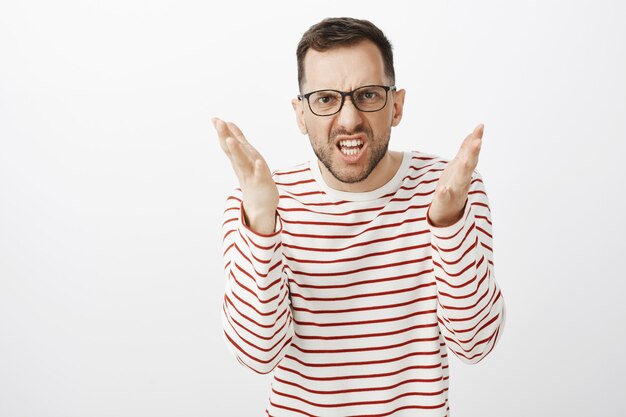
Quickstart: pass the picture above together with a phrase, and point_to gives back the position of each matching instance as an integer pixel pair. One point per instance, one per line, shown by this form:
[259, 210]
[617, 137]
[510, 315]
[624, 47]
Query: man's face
[345, 69]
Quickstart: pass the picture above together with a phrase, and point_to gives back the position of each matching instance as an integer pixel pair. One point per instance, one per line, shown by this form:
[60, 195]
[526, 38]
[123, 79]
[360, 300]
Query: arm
[471, 310]
[256, 313]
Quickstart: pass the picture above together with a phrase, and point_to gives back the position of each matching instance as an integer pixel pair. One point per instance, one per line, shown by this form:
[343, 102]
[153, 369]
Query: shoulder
[294, 179]
[292, 173]
[427, 161]
[422, 160]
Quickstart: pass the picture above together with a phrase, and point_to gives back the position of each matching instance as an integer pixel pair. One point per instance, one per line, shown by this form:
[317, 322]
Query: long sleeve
[256, 313]
[471, 311]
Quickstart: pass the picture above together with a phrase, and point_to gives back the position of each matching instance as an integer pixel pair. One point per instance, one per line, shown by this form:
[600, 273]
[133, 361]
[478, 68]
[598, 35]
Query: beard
[377, 148]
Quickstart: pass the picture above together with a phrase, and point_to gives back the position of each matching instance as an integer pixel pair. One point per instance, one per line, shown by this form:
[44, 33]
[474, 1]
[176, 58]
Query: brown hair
[334, 32]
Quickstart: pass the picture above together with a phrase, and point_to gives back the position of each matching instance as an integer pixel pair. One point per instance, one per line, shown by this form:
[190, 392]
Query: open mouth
[350, 147]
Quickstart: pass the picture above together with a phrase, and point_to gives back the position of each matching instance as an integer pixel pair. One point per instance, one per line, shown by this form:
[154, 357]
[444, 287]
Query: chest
[353, 255]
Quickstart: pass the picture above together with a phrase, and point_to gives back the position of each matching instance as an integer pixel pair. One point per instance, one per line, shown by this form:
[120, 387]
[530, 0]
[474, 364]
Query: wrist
[437, 219]
[260, 221]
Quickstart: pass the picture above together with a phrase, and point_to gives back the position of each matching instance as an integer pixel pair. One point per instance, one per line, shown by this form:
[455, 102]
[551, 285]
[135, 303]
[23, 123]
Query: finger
[225, 130]
[262, 170]
[242, 163]
[475, 144]
[241, 153]
[479, 130]
[237, 133]
[473, 140]
[470, 149]
[242, 139]
[222, 134]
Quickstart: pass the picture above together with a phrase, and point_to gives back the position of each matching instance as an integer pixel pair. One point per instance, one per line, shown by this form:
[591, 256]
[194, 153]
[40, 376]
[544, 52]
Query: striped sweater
[355, 300]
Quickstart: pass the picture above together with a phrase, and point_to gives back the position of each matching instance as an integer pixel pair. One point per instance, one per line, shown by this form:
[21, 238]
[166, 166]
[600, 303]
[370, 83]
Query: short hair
[334, 32]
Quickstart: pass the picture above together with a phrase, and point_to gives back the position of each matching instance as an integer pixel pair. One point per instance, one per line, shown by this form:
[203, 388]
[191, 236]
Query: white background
[112, 186]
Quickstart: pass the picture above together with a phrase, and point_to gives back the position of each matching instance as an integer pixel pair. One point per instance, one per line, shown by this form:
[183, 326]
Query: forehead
[344, 68]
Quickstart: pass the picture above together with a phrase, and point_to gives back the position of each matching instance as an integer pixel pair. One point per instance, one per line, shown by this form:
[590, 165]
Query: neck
[380, 175]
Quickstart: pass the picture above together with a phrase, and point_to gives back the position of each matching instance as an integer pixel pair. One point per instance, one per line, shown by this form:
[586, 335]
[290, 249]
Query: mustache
[360, 129]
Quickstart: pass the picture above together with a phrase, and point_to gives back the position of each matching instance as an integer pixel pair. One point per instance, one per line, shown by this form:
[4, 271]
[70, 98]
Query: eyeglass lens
[326, 102]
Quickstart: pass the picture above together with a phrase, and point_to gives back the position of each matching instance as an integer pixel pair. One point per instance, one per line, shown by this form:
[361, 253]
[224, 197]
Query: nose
[349, 116]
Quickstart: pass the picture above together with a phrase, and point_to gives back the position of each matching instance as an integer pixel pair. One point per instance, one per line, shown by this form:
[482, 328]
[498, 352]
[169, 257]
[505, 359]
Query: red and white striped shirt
[355, 299]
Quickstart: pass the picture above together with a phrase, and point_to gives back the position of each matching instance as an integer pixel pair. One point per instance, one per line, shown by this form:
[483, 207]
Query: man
[349, 277]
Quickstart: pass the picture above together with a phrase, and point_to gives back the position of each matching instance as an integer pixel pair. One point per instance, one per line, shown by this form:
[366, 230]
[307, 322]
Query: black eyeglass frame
[344, 94]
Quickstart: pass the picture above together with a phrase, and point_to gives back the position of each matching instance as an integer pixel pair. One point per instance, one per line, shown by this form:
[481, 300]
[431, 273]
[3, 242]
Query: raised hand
[260, 195]
[451, 192]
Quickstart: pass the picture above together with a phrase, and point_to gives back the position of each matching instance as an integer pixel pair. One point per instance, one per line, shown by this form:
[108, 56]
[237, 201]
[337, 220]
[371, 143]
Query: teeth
[348, 151]
[351, 143]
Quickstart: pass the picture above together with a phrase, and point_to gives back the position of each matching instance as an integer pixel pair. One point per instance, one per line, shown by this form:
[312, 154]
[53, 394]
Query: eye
[325, 99]
[368, 95]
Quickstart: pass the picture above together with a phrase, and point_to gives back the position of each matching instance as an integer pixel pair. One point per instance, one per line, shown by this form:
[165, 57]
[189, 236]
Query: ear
[299, 109]
[398, 106]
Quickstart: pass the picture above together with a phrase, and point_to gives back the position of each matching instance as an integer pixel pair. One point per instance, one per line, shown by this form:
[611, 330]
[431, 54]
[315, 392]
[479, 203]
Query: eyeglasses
[369, 98]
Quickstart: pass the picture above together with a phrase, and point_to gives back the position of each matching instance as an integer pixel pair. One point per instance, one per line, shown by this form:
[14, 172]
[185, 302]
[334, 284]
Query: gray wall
[112, 186]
